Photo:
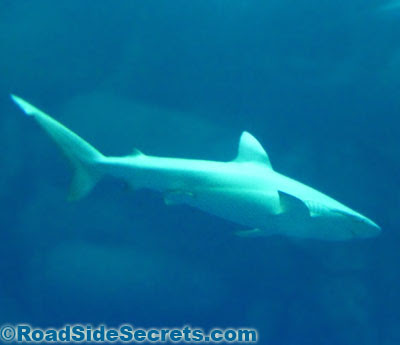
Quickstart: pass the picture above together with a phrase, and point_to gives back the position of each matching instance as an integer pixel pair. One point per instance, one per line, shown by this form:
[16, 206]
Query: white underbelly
[253, 209]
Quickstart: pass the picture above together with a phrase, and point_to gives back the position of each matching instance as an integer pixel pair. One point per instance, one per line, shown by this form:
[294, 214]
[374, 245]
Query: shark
[246, 191]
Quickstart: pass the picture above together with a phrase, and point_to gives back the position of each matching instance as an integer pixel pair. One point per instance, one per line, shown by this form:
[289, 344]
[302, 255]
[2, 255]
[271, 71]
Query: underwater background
[316, 82]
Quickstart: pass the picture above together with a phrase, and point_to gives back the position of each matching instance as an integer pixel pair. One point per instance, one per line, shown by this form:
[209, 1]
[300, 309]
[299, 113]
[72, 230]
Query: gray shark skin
[246, 190]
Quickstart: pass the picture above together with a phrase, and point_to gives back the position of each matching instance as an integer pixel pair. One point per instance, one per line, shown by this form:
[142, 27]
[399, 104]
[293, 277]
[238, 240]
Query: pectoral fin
[291, 204]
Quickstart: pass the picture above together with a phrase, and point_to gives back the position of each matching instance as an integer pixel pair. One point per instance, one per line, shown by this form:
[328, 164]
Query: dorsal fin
[250, 150]
[136, 152]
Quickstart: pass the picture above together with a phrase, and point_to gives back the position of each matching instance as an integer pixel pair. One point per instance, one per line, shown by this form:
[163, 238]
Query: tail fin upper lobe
[82, 156]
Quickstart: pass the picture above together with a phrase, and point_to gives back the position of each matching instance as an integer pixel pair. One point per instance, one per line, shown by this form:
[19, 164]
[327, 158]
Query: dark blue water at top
[317, 82]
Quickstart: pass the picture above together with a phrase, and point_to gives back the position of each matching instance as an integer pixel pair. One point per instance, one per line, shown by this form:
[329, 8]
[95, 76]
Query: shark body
[247, 190]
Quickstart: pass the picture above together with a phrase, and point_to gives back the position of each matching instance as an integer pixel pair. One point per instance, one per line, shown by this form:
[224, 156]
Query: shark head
[327, 220]
[347, 225]
[343, 225]
[360, 226]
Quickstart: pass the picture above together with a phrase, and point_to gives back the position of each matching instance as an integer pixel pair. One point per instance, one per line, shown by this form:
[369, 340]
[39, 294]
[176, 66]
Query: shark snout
[365, 227]
[374, 228]
[372, 224]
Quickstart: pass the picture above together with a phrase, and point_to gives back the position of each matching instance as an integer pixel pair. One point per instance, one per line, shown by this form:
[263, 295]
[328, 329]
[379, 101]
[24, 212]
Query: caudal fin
[82, 156]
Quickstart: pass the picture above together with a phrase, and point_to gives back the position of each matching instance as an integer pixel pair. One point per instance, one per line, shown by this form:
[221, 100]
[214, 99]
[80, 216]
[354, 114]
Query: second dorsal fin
[136, 152]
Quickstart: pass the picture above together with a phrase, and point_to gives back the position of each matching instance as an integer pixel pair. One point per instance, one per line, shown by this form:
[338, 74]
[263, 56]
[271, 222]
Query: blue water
[317, 82]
